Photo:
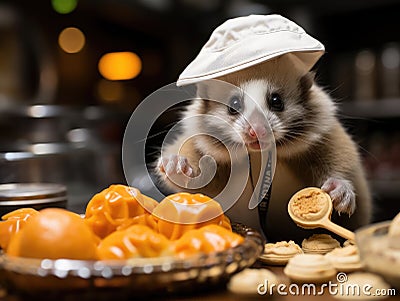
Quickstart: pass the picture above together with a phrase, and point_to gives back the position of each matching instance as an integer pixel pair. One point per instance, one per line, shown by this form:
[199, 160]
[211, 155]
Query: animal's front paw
[175, 165]
[342, 194]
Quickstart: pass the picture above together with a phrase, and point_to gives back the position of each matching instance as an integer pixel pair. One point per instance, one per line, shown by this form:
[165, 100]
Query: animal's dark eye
[275, 102]
[235, 105]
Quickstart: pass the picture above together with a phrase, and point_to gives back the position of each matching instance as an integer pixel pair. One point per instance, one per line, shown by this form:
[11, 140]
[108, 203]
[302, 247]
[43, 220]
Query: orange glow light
[110, 91]
[71, 40]
[120, 65]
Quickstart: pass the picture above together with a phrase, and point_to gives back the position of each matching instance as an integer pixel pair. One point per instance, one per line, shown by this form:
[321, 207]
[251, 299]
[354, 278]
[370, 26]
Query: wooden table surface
[215, 294]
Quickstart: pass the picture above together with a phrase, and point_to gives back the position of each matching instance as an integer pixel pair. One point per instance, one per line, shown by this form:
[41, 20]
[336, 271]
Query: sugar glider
[312, 147]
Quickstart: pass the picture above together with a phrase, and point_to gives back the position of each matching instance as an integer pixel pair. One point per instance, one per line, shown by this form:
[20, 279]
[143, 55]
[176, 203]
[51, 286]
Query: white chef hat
[246, 41]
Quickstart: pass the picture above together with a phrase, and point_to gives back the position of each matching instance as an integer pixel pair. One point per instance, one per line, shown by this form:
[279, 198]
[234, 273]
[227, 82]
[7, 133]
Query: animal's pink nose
[257, 132]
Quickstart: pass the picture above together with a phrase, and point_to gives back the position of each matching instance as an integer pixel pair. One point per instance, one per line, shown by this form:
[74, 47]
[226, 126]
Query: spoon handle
[343, 232]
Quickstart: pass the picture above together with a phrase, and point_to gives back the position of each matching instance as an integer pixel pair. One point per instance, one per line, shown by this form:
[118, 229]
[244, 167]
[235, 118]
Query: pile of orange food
[120, 223]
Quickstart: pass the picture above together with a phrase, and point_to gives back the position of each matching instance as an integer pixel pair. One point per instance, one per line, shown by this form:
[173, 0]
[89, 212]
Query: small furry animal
[312, 147]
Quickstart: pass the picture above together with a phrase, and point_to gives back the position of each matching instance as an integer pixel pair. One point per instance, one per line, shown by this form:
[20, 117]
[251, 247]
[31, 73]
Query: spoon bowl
[312, 208]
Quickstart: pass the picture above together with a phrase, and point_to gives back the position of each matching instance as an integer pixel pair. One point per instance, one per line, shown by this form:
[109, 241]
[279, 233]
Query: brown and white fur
[313, 148]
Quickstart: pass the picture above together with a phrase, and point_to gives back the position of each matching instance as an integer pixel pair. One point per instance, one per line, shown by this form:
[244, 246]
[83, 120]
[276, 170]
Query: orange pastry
[135, 241]
[114, 206]
[181, 212]
[208, 239]
[144, 219]
[12, 223]
[54, 233]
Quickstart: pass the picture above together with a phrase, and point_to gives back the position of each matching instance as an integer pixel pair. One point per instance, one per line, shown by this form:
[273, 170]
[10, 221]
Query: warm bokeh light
[71, 40]
[365, 61]
[110, 91]
[120, 65]
[64, 6]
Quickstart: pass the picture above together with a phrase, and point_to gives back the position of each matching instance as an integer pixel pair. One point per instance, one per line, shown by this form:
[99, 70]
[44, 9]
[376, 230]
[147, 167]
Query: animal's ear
[306, 81]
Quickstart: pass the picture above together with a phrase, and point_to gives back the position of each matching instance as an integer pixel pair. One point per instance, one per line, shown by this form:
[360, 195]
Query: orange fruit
[12, 223]
[55, 233]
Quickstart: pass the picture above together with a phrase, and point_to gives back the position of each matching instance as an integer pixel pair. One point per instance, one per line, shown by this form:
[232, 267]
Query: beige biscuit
[319, 244]
[384, 261]
[362, 286]
[394, 233]
[346, 259]
[349, 243]
[279, 253]
[394, 228]
[248, 281]
[309, 268]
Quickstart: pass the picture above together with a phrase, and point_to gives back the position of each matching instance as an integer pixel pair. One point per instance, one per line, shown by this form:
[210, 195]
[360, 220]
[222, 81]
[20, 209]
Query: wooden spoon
[311, 208]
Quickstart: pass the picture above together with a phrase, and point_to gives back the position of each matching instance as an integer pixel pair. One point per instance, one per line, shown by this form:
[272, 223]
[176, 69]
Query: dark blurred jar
[365, 75]
[27, 67]
[38, 196]
[390, 71]
[74, 167]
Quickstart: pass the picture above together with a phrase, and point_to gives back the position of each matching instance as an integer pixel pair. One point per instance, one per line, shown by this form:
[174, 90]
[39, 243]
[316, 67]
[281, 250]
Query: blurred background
[72, 72]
